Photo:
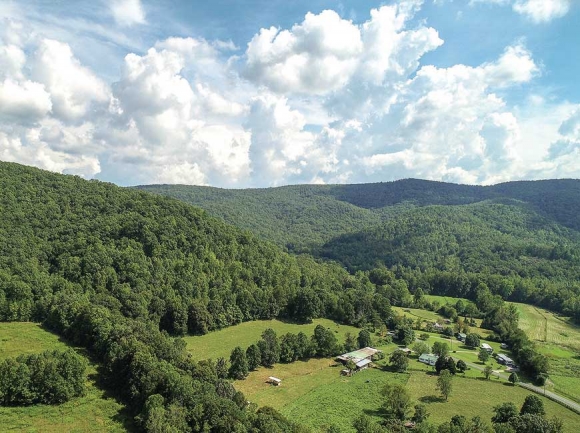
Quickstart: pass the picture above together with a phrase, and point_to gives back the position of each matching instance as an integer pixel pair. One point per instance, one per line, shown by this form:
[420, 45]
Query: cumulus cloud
[542, 10]
[325, 53]
[128, 12]
[538, 11]
[327, 100]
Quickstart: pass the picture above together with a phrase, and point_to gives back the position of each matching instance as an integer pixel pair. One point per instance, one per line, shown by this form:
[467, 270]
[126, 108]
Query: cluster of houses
[362, 359]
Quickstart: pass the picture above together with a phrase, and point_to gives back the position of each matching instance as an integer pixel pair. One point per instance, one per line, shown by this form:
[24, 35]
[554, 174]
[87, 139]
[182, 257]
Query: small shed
[428, 358]
[405, 350]
[362, 364]
[461, 336]
[274, 381]
[487, 347]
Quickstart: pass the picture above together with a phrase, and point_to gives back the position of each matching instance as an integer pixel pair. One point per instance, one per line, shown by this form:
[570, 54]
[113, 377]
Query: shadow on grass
[379, 412]
[123, 416]
[431, 399]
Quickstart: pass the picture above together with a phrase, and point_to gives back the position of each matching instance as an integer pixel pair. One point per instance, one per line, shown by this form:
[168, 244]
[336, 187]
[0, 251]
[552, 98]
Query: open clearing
[546, 327]
[315, 394]
[559, 340]
[92, 413]
[221, 343]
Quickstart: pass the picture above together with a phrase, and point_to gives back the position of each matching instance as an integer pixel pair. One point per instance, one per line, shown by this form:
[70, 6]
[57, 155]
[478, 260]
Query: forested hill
[528, 227]
[123, 272]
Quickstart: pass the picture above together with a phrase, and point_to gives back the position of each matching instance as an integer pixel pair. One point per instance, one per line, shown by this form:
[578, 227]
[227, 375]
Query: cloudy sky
[256, 93]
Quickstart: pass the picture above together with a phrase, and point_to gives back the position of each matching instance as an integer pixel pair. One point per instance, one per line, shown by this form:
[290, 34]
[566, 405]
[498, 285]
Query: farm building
[461, 336]
[506, 360]
[487, 347]
[405, 350]
[274, 381]
[362, 357]
[428, 358]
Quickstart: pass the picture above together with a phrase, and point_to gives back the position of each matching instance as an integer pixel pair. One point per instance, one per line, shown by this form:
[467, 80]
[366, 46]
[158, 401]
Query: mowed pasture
[221, 343]
[313, 393]
[94, 412]
[546, 327]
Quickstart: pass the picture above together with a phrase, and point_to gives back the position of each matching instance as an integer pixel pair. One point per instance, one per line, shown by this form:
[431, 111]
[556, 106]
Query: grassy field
[546, 327]
[559, 340]
[429, 317]
[94, 412]
[25, 338]
[471, 397]
[221, 343]
[314, 393]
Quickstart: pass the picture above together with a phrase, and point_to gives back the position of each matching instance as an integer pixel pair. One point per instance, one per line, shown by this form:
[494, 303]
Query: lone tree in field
[483, 355]
[514, 378]
[238, 364]
[533, 405]
[487, 371]
[364, 338]
[397, 401]
[461, 366]
[399, 361]
[444, 383]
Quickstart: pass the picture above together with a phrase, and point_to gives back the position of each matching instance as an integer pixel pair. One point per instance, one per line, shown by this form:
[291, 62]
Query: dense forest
[522, 238]
[302, 218]
[125, 273]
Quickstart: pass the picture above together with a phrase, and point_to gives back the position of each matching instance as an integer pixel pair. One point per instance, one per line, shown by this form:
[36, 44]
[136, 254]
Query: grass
[546, 327]
[94, 412]
[17, 338]
[477, 397]
[313, 393]
[221, 343]
[559, 340]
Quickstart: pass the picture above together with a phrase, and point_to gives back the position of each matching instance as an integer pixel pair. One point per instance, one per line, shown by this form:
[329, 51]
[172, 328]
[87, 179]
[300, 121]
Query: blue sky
[255, 93]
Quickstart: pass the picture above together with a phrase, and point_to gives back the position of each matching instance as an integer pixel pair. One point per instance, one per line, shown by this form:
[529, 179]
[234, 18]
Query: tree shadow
[379, 412]
[431, 399]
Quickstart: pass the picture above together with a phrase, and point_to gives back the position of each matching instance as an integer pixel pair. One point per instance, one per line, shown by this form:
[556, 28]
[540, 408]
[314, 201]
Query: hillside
[411, 222]
[122, 273]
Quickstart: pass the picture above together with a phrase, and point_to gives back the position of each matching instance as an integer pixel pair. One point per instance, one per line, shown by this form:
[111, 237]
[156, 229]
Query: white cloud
[74, 89]
[538, 11]
[327, 100]
[26, 100]
[325, 53]
[128, 12]
[542, 10]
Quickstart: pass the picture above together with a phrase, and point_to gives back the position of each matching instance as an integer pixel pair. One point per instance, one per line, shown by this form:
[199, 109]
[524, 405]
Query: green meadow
[94, 412]
[221, 343]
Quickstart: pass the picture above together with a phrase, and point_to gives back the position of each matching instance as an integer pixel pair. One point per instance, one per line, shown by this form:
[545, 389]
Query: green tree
[440, 349]
[238, 364]
[399, 361]
[420, 414]
[483, 355]
[350, 365]
[420, 348]
[472, 340]
[487, 371]
[405, 335]
[350, 343]
[461, 366]
[533, 405]
[325, 341]
[397, 401]
[514, 378]
[364, 339]
[504, 412]
[254, 357]
[221, 368]
[535, 423]
[444, 383]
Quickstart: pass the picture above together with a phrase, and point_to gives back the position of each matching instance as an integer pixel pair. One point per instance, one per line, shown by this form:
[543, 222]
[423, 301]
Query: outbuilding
[274, 381]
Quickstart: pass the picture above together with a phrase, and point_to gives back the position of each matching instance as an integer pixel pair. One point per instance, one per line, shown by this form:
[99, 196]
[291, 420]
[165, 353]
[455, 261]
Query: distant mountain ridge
[348, 222]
